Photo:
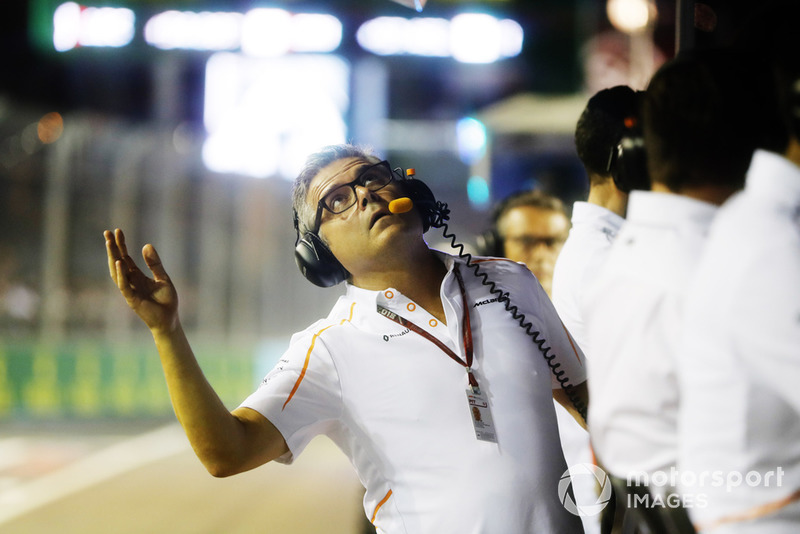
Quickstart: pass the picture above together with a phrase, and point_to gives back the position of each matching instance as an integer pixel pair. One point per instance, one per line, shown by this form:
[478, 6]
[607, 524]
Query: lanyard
[466, 331]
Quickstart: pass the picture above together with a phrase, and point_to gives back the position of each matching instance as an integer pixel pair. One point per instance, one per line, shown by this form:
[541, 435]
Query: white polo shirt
[593, 230]
[740, 358]
[634, 318]
[396, 404]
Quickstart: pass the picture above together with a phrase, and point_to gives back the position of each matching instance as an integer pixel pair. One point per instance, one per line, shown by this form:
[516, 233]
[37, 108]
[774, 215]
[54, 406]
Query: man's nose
[364, 196]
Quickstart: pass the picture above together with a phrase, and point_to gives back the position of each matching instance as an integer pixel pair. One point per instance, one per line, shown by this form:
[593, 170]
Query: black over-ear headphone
[627, 161]
[318, 264]
[490, 243]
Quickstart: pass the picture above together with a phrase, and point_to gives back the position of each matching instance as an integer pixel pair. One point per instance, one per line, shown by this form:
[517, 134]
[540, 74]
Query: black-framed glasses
[343, 197]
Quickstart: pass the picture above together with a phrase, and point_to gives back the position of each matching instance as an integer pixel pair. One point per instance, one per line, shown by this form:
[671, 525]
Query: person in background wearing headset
[598, 134]
[393, 373]
[529, 227]
[602, 142]
[740, 356]
[699, 141]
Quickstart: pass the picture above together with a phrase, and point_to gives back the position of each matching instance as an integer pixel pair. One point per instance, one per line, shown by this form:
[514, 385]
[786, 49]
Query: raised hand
[154, 299]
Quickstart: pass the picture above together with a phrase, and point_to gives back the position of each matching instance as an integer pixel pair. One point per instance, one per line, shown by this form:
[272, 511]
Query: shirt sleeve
[766, 323]
[301, 395]
[553, 340]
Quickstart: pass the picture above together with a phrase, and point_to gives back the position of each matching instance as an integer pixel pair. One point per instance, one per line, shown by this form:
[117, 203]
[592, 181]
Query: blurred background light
[274, 32]
[266, 32]
[630, 16]
[475, 38]
[427, 37]
[200, 31]
[512, 38]
[469, 37]
[478, 192]
[471, 139]
[261, 32]
[265, 115]
[316, 32]
[75, 25]
[50, 128]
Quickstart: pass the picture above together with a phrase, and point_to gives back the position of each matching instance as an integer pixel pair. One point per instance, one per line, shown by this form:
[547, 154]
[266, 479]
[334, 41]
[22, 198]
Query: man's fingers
[113, 254]
[153, 261]
[120, 240]
[121, 278]
[123, 250]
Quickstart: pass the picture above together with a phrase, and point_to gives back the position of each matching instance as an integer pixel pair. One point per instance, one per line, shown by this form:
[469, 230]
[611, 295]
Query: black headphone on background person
[318, 264]
[627, 161]
[490, 242]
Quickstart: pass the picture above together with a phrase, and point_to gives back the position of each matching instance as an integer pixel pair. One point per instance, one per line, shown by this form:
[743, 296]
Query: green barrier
[92, 379]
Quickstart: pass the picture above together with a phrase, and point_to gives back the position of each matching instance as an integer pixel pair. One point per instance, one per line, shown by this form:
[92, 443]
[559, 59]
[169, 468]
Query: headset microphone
[401, 205]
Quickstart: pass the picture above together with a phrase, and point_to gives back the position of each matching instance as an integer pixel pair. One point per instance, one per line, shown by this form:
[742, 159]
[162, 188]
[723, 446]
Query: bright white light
[471, 138]
[630, 16]
[512, 38]
[383, 35]
[266, 32]
[199, 31]
[107, 26]
[475, 38]
[316, 33]
[260, 32]
[428, 37]
[91, 26]
[471, 38]
[265, 115]
[66, 26]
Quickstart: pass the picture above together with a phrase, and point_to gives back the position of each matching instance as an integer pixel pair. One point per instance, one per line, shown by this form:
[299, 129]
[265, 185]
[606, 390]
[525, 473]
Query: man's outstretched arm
[225, 442]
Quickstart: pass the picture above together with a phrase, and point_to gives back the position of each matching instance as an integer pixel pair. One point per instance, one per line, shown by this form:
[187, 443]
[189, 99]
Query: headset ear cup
[489, 243]
[317, 263]
[628, 164]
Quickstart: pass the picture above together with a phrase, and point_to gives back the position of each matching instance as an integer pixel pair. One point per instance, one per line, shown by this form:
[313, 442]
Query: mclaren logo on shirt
[482, 302]
[387, 337]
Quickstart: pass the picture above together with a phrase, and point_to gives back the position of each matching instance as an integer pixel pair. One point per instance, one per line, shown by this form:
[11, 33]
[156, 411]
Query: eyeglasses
[530, 242]
[341, 198]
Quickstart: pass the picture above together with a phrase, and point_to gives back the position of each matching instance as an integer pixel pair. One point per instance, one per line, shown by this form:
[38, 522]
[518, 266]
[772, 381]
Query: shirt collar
[652, 208]
[772, 175]
[370, 297]
[598, 216]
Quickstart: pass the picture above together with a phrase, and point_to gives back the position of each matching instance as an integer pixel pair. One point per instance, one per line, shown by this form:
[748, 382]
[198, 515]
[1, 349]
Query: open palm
[154, 299]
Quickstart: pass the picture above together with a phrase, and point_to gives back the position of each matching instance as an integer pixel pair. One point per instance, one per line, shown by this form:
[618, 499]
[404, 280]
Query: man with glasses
[438, 397]
[529, 227]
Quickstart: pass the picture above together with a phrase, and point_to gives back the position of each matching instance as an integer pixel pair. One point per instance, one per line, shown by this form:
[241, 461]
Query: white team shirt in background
[740, 359]
[593, 230]
[397, 407]
[634, 318]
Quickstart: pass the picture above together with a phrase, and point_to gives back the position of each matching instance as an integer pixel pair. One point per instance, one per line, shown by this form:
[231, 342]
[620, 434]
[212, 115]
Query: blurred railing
[68, 343]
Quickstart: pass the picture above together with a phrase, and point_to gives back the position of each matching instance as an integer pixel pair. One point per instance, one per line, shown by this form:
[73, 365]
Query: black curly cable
[438, 218]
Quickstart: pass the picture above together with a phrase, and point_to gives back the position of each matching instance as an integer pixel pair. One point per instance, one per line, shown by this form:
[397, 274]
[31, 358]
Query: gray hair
[317, 161]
